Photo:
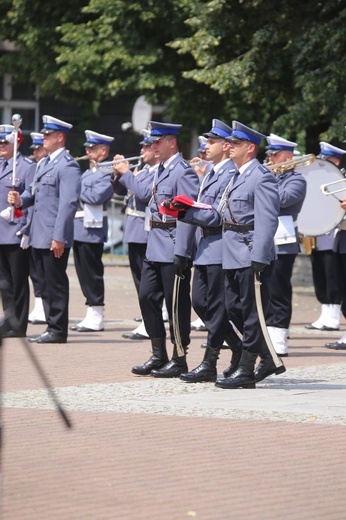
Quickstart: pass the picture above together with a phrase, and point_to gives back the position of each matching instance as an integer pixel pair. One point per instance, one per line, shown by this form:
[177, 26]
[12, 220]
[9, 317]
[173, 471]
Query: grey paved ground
[142, 448]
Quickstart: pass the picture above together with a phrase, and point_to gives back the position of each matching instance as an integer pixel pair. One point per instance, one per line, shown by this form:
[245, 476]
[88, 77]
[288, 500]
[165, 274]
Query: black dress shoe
[336, 346]
[47, 337]
[200, 328]
[223, 347]
[137, 318]
[324, 327]
[77, 328]
[134, 335]
[37, 322]
[173, 368]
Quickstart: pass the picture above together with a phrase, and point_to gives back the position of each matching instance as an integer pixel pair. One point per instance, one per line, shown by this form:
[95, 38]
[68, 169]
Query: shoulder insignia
[185, 164]
[27, 160]
[263, 169]
[68, 157]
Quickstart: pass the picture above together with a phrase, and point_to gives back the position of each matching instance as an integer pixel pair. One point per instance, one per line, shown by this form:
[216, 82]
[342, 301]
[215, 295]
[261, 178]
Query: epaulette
[263, 169]
[27, 160]
[185, 164]
[68, 157]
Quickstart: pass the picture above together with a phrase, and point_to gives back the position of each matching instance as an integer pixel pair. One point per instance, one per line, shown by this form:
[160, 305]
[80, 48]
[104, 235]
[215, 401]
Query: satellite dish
[141, 114]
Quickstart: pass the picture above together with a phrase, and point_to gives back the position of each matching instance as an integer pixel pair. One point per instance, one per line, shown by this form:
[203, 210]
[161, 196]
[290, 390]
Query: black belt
[163, 225]
[229, 226]
[207, 231]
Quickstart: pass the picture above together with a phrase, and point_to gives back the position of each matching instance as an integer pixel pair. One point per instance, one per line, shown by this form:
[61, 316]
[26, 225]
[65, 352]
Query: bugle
[109, 164]
[297, 163]
[325, 187]
[82, 158]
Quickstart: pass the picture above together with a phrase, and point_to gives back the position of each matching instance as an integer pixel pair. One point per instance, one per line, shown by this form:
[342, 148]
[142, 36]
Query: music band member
[54, 196]
[326, 270]
[292, 191]
[169, 254]
[208, 286]
[91, 231]
[14, 255]
[249, 209]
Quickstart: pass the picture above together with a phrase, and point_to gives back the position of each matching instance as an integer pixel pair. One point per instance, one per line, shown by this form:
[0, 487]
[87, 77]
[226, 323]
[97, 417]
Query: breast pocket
[48, 186]
[241, 204]
[164, 192]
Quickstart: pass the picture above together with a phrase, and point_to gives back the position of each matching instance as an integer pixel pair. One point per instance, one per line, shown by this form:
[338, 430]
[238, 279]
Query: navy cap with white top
[52, 124]
[242, 132]
[146, 141]
[277, 144]
[5, 132]
[330, 150]
[202, 143]
[219, 130]
[37, 140]
[94, 138]
[160, 130]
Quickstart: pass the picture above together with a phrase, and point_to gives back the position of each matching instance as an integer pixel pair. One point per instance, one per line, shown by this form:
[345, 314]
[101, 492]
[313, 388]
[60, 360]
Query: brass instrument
[326, 191]
[109, 164]
[297, 163]
[82, 158]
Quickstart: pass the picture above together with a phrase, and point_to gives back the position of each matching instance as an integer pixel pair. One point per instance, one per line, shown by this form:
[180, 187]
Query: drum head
[320, 213]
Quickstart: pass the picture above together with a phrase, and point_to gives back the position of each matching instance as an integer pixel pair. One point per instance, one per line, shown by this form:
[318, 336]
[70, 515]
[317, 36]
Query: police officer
[169, 253]
[249, 208]
[91, 231]
[208, 286]
[14, 256]
[326, 272]
[134, 233]
[54, 194]
[292, 191]
[37, 315]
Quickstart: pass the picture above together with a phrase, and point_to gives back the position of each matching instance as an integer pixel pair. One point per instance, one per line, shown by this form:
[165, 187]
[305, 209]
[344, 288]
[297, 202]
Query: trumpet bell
[296, 164]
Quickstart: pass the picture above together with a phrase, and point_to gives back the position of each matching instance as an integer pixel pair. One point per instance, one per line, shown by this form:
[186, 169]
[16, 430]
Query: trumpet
[82, 158]
[109, 164]
[299, 162]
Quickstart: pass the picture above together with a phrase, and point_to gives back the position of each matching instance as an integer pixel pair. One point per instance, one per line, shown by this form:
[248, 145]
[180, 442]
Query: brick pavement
[147, 449]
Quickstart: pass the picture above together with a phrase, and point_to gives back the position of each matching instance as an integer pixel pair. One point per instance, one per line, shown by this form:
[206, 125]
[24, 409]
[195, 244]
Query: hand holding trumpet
[120, 167]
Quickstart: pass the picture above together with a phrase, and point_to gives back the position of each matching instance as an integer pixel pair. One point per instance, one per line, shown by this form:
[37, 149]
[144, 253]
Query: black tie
[160, 169]
[4, 166]
[211, 173]
[236, 177]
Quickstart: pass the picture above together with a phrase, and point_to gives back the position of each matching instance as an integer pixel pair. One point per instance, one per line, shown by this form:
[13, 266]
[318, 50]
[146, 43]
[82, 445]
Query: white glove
[6, 213]
[24, 242]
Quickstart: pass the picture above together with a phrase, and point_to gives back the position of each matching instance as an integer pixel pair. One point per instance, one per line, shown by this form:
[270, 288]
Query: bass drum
[320, 213]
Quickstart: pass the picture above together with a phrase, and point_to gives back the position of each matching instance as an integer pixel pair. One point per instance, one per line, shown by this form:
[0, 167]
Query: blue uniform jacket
[134, 231]
[209, 248]
[25, 169]
[253, 199]
[96, 189]
[292, 191]
[177, 179]
[54, 195]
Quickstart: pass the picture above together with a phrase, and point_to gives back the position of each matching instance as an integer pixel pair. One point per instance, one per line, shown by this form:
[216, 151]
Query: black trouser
[33, 274]
[54, 286]
[136, 254]
[241, 305]
[14, 273]
[326, 276]
[208, 301]
[157, 283]
[280, 288]
[90, 271]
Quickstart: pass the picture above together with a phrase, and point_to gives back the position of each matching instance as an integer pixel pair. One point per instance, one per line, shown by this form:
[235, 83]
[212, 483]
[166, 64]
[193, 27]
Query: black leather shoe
[267, 368]
[47, 337]
[200, 328]
[37, 322]
[223, 347]
[239, 379]
[173, 368]
[324, 327]
[336, 346]
[77, 328]
[134, 335]
[137, 318]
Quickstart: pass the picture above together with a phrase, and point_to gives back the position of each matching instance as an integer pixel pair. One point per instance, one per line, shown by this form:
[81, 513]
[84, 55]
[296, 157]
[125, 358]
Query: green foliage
[277, 68]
